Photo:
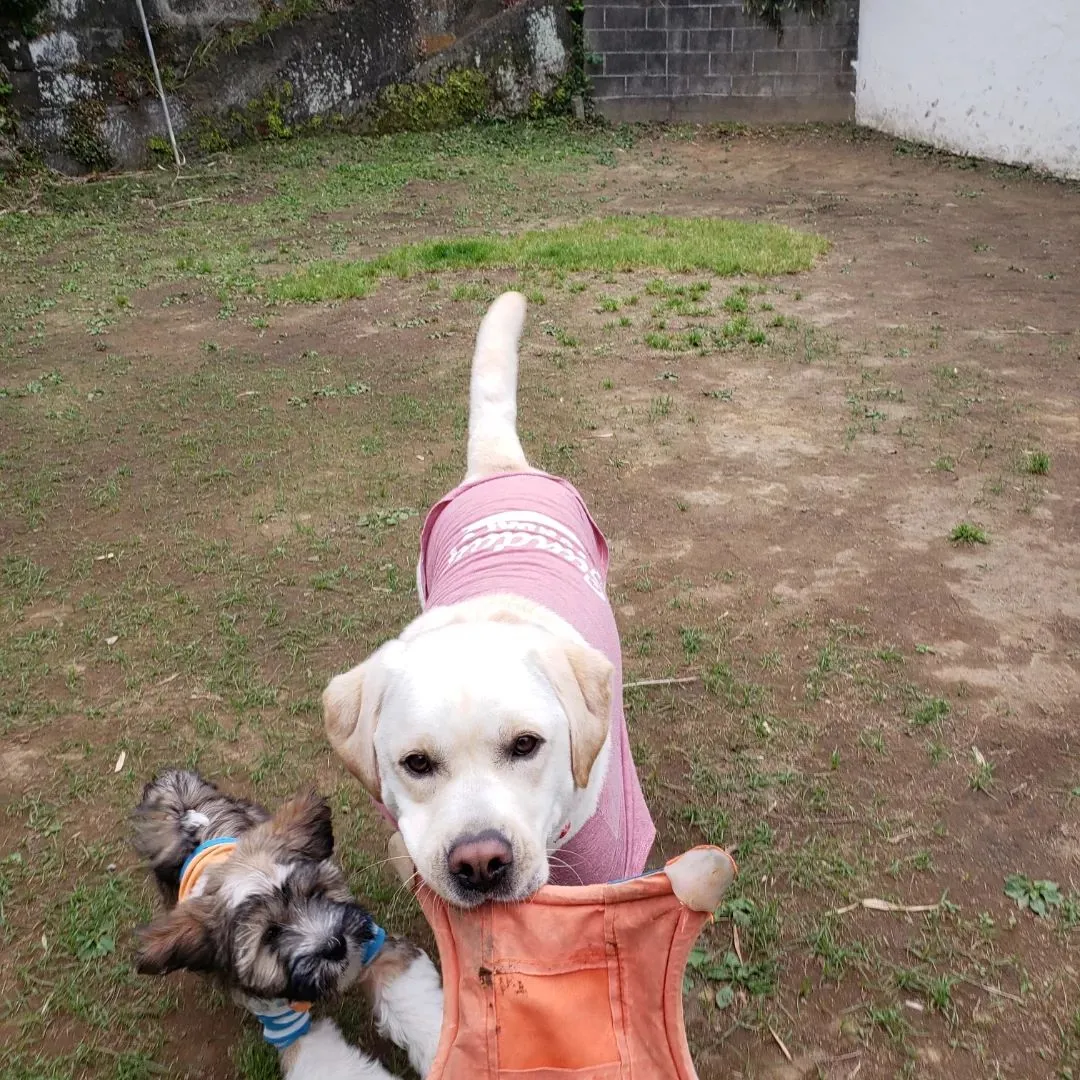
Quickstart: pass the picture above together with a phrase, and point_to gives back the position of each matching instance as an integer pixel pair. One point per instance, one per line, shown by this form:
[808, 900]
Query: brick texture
[707, 61]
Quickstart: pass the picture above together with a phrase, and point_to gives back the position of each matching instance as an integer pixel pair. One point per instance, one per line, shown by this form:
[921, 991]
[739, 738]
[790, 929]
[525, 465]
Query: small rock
[929, 1055]
[805, 1067]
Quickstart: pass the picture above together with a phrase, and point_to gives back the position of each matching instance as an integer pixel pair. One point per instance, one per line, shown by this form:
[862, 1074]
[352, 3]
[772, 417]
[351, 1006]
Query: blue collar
[373, 947]
[284, 1022]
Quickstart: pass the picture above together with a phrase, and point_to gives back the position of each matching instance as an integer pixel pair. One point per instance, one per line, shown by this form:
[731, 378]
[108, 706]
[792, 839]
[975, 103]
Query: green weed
[1038, 897]
[966, 533]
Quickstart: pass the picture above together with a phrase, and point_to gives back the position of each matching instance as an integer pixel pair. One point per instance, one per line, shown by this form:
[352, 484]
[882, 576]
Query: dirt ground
[211, 505]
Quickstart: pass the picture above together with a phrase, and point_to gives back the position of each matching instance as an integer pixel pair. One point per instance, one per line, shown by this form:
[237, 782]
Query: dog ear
[302, 825]
[581, 677]
[351, 706]
[179, 939]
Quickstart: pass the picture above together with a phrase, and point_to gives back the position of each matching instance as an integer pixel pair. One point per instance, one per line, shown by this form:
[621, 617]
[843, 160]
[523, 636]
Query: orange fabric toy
[577, 983]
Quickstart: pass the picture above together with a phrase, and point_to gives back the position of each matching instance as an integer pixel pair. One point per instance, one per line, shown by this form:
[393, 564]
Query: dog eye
[418, 764]
[524, 746]
[271, 934]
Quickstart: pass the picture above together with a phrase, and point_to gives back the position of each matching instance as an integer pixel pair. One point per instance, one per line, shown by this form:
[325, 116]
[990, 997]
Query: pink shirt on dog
[530, 534]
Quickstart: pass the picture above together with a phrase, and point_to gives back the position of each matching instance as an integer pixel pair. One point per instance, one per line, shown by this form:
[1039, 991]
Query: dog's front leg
[407, 1000]
[405, 987]
[323, 1054]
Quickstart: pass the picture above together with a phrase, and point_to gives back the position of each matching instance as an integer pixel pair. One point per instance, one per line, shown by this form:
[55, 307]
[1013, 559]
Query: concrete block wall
[701, 61]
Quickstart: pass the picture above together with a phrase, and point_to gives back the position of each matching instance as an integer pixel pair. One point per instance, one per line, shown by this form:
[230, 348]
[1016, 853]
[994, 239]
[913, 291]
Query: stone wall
[526, 50]
[703, 61]
[84, 96]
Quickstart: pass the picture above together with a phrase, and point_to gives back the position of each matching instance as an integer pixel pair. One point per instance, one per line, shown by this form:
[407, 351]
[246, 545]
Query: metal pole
[177, 156]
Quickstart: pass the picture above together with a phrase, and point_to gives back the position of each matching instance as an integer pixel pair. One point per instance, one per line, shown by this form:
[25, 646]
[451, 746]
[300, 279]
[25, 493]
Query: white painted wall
[995, 78]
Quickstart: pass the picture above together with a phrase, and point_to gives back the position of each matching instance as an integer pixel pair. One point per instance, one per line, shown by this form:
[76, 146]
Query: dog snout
[481, 863]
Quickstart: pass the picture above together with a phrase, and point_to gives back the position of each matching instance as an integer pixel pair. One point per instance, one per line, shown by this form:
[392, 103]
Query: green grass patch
[966, 533]
[930, 710]
[89, 244]
[677, 245]
[1037, 463]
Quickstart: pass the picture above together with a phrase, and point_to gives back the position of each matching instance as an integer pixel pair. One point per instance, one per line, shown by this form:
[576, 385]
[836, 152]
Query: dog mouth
[510, 889]
[464, 898]
[322, 955]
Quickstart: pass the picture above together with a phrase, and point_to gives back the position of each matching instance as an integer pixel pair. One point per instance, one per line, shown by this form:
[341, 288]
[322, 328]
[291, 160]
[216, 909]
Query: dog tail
[493, 439]
[179, 810]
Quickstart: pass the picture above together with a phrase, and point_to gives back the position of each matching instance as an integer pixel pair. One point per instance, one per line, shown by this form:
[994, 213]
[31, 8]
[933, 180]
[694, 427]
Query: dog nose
[334, 951]
[480, 863]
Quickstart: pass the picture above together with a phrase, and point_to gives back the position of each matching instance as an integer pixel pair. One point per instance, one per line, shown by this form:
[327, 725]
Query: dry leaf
[872, 903]
[780, 1042]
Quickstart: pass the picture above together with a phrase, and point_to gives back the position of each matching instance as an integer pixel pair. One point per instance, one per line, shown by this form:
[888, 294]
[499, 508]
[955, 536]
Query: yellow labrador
[491, 729]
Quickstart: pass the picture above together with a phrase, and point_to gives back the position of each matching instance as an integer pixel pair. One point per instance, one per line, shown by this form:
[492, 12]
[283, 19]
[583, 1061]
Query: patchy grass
[966, 533]
[930, 711]
[93, 247]
[615, 245]
[211, 502]
[1037, 462]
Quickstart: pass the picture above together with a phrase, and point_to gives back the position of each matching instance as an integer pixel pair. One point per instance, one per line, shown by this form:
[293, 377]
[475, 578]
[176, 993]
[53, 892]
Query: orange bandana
[204, 856]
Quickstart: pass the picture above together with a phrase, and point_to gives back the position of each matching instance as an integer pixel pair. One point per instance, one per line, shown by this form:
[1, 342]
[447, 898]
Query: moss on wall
[129, 75]
[84, 140]
[462, 96]
[264, 116]
[274, 16]
[24, 15]
[575, 83]
[9, 154]
[209, 138]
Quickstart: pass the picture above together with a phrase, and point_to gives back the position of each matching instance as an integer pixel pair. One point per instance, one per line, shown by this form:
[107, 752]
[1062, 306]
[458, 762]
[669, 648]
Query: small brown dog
[255, 900]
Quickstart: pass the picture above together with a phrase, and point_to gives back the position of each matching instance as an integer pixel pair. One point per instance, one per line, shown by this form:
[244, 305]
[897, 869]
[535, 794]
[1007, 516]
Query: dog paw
[409, 1008]
[324, 1053]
